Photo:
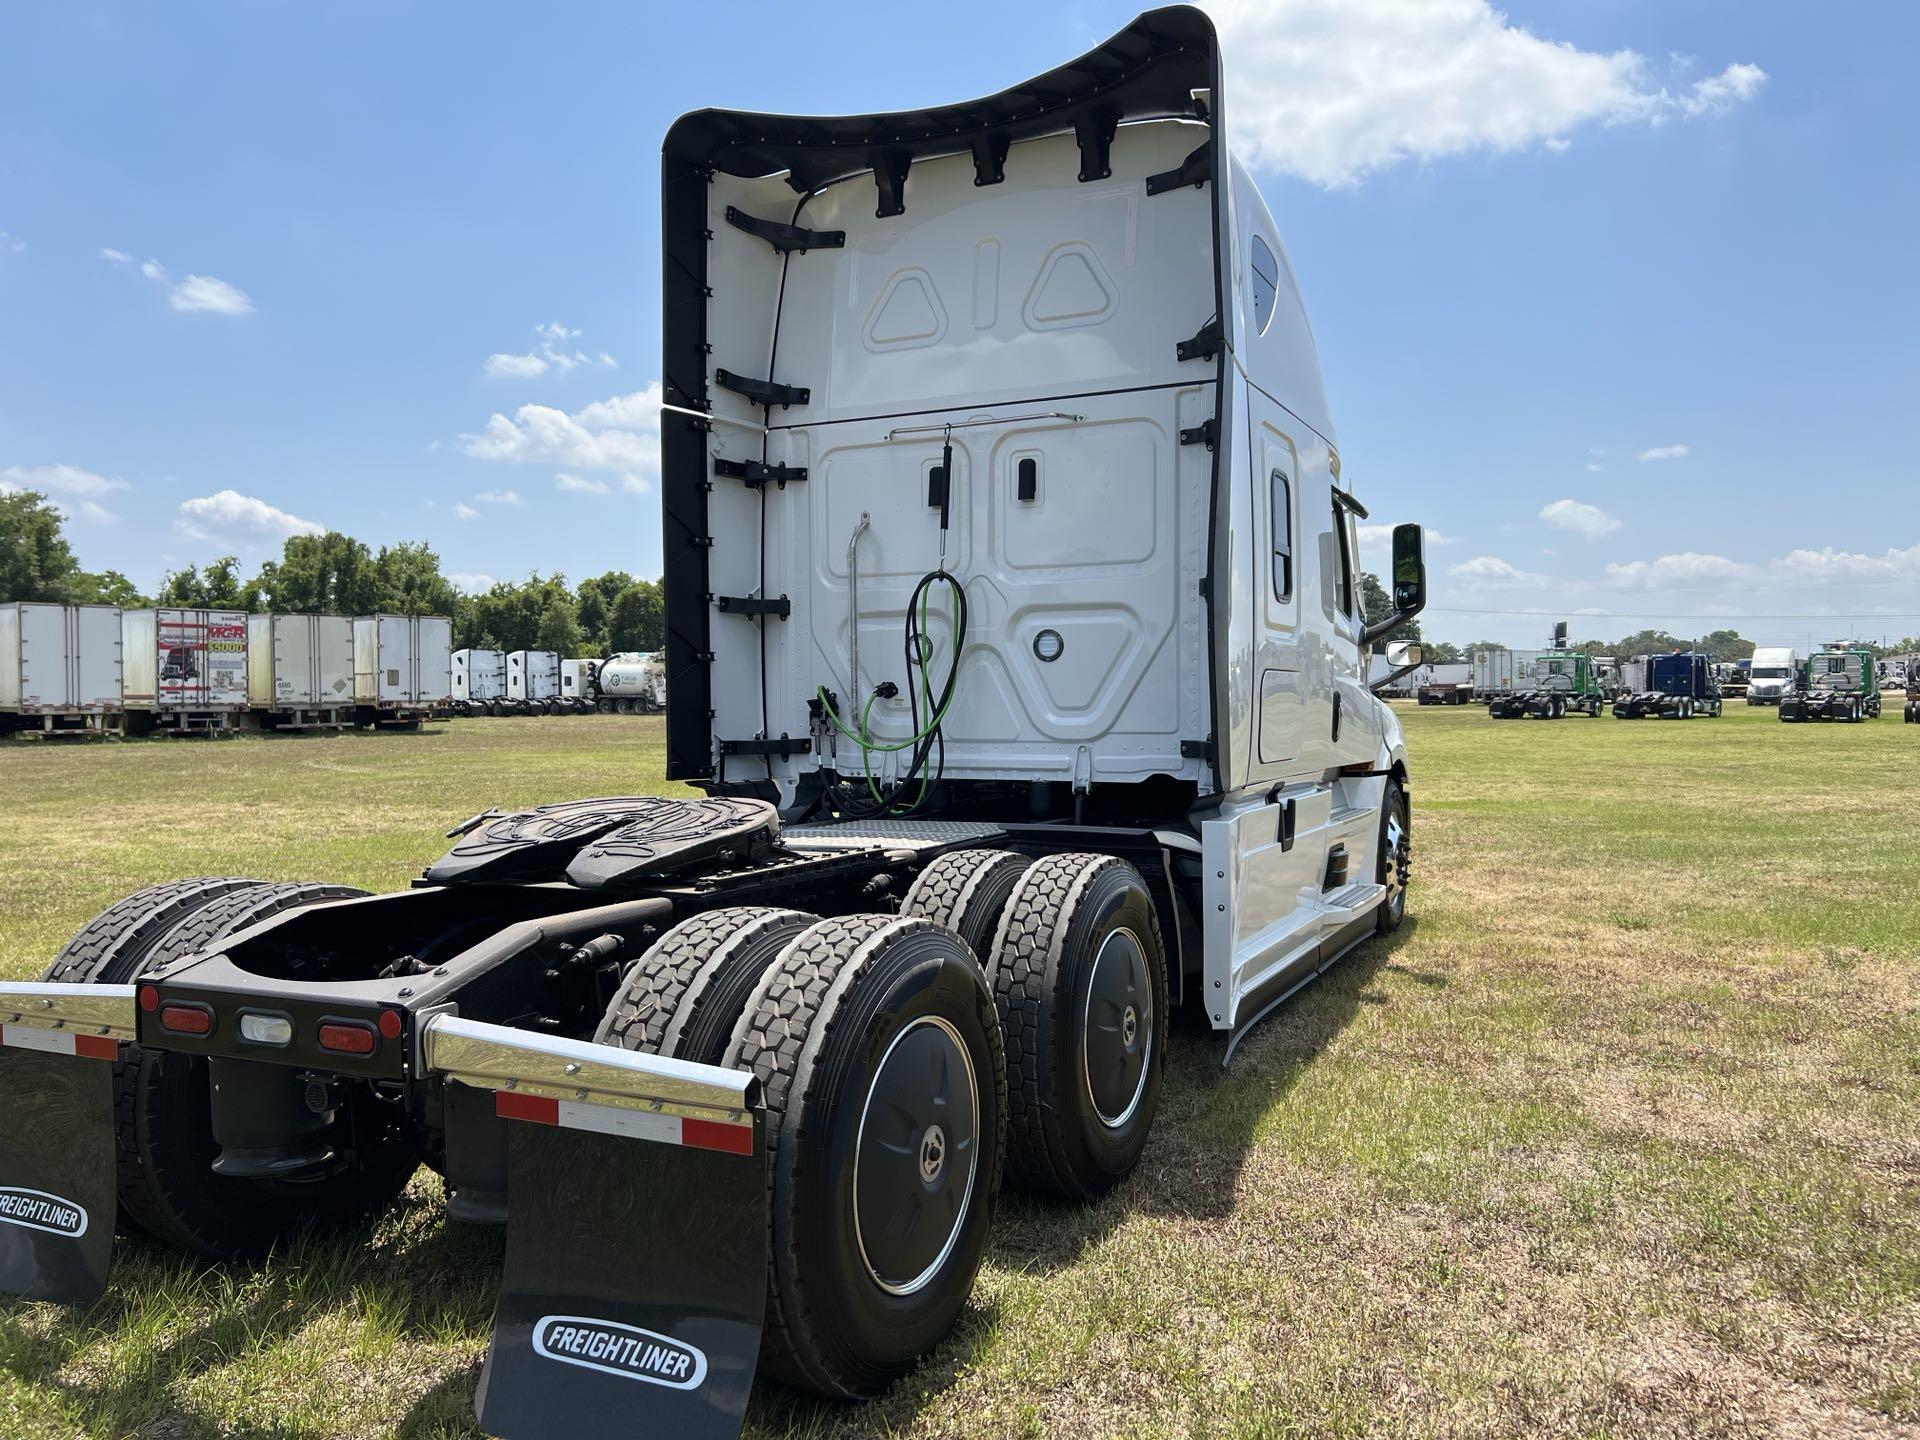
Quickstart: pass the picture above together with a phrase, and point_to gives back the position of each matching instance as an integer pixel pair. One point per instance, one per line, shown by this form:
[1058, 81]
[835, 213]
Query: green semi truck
[1558, 683]
[1837, 683]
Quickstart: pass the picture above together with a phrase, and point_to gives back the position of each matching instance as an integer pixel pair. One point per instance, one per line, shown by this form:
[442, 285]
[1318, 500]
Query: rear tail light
[348, 1037]
[184, 1019]
[149, 998]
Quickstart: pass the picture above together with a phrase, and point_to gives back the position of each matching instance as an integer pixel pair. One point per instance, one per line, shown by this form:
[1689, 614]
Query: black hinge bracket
[752, 605]
[785, 746]
[1204, 345]
[1195, 170]
[786, 237]
[990, 157]
[754, 473]
[1093, 132]
[762, 392]
[1207, 434]
[890, 182]
[1197, 750]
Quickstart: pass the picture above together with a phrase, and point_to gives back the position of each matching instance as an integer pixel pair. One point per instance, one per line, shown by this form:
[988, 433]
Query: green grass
[1620, 1135]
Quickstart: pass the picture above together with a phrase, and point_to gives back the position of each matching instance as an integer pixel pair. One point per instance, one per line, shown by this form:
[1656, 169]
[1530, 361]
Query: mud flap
[58, 1198]
[636, 1277]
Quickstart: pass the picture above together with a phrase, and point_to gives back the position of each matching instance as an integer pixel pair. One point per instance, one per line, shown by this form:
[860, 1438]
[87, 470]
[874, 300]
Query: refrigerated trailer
[1050, 713]
[186, 670]
[60, 669]
[402, 669]
[1497, 672]
[479, 682]
[533, 680]
[300, 671]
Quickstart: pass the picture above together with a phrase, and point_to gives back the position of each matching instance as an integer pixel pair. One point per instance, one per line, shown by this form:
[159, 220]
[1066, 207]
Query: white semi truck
[1016, 645]
[1774, 676]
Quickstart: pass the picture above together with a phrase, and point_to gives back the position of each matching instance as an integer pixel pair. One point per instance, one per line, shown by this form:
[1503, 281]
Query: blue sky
[1617, 297]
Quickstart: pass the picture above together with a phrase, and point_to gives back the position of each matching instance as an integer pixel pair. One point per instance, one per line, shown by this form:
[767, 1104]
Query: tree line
[339, 575]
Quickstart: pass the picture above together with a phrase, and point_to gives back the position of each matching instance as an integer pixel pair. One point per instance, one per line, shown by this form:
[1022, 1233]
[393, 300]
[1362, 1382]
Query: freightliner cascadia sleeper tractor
[1015, 643]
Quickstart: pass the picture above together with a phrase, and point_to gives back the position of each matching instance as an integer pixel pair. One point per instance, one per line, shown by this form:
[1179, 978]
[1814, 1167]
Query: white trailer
[533, 679]
[479, 682]
[186, 669]
[1496, 672]
[60, 668]
[300, 670]
[402, 668]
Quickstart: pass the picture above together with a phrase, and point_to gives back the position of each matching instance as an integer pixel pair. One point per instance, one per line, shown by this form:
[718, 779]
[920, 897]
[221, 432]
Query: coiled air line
[927, 744]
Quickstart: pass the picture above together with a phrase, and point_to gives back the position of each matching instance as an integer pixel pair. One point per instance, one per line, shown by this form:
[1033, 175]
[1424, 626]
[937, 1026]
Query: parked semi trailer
[1558, 683]
[1679, 687]
[1838, 683]
[60, 669]
[1774, 675]
[300, 671]
[479, 682]
[402, 669]
[1447, 685]
[1497, 672]
[742, 1074]
[185, 670]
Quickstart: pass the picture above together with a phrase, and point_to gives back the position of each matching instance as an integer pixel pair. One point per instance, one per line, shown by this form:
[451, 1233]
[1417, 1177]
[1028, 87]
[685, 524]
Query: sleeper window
[1266, 284]
[1282, 538]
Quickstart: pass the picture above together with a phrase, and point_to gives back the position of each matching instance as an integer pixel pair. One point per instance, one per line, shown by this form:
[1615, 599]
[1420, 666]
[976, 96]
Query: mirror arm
[1387, 626]
[1385, 680]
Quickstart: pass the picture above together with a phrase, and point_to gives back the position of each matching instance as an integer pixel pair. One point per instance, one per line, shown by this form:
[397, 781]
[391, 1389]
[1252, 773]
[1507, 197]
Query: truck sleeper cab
[1015, 642]
[1559, 683]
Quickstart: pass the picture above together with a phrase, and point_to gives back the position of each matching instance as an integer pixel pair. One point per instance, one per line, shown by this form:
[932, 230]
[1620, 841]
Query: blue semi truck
[1679, 687]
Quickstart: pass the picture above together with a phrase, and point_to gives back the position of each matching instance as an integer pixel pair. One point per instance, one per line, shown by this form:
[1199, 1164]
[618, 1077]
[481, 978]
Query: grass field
[1620, 1135]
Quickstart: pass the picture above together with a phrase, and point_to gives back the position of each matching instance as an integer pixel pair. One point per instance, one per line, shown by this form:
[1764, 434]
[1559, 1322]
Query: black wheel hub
[1119, 1028]
[915, 1157]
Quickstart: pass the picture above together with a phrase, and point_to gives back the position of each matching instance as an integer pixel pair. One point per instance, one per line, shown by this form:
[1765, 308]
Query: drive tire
[112, 947]
[1050, 949]
[967, 891]
[1393, 864]
[164, 1130]
[685, 995]
[845, 1012]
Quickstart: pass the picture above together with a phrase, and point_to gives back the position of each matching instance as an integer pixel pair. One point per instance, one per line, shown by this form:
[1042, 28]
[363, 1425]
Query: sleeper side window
[1266, 284]
[1343, 596]
[1282, 538]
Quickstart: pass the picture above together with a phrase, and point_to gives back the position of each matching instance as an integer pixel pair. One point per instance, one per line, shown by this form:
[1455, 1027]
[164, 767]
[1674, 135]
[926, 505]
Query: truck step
[898, 834]
[1353, 898]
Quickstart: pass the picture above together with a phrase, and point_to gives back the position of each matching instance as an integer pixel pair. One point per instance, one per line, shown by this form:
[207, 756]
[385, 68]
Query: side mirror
[1403, 655]
[1409, 582]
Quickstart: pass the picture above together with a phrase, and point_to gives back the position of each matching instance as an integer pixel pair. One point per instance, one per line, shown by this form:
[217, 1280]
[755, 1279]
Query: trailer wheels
[1395, 864]
[685, 995]
[878, 1051]
[1081, 982]
[967, 891]
[165, 1129]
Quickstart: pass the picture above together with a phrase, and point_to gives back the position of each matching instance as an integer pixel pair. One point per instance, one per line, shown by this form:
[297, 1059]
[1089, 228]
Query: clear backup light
[266, 1029]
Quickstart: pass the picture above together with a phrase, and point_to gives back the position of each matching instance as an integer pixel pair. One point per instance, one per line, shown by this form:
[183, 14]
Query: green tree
[217, 587]
[638, 621]
[410, 582]
[109, 587]
[331, 574]
[36, 563]
[559, 627]
[1440, 652]
[595, 599]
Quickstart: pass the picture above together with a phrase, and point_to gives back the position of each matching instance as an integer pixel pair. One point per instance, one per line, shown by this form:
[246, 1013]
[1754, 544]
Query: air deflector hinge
[783, 237]
[1204, 345]
[784, 747]
[1207, 434]
[1197, 750]
[754, 473]
[1093, 132]
[753, 605]
[762, 392]
[1195, 170]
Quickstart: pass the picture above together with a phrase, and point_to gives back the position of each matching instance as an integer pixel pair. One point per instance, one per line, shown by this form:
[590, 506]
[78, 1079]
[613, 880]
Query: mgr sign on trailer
[202, 659]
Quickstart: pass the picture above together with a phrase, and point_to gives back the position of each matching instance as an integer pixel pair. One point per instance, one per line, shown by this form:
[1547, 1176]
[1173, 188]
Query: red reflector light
[348, 1039]
[149, 998]
[186, 1019]
[390, 1023]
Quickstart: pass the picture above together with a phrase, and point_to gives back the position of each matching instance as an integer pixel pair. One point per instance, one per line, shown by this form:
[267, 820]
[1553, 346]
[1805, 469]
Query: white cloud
[581, 485]
[1828, 566]
[473, 582]
[1382, 535]
[204, 292]
[499, 497]
[1490, 572]
[118, 257]
[1664, 452]
[1579, 517]
[12, 244]
[94, 511]
[228, 512]
[621, 434]
[464, 511]
[153, 270]
[1594, 467]
[1685, 568]
[636, 484]
[59, 479]
[552, 354]
[1332, 89]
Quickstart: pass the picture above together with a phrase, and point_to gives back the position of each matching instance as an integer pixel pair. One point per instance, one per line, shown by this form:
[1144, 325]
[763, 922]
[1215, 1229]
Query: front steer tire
[1079, 975]
[875, 1042]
